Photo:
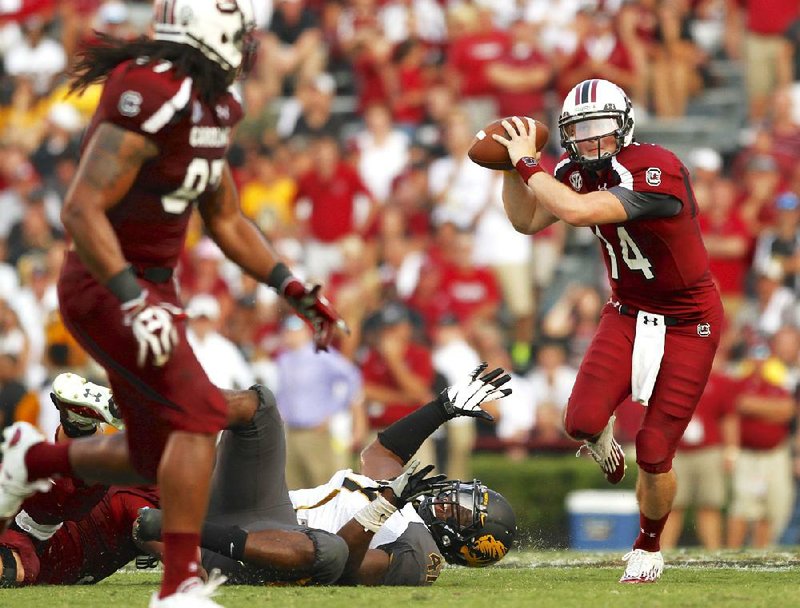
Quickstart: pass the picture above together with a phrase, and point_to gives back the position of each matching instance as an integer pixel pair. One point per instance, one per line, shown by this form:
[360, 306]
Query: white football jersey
[331, 505]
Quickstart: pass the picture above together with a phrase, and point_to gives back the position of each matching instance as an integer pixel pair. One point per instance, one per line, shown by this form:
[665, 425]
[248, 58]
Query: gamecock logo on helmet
[485, 549]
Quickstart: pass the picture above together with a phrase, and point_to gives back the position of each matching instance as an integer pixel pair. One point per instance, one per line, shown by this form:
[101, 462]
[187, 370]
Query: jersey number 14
[631, 254]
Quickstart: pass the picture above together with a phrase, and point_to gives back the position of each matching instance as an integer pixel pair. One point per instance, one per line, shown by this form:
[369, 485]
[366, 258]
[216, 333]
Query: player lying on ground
[154, 151]
[95, 539]
[461, 523]
[278, 549]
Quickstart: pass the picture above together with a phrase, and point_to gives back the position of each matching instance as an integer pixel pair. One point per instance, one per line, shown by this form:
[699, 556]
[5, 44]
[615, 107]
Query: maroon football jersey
[153, 100]
[659, 265]
[98, 545]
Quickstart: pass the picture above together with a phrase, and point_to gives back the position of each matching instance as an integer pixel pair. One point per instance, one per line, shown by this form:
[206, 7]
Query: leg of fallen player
[106, 459]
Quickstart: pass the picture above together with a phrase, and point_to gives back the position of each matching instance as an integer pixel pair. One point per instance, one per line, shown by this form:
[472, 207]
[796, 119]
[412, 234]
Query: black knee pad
[653, 451]
[330, 556]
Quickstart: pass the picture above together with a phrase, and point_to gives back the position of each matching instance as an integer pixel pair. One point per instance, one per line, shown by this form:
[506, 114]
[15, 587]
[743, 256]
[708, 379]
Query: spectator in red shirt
[767, 64]
[474, 46]
[601, 54]
[727, 240]
[472, 291]
[397, 371]
[520, 77]
[705, 456]
[408, 83]
[326, 207]
[762, 184]
[762, 484]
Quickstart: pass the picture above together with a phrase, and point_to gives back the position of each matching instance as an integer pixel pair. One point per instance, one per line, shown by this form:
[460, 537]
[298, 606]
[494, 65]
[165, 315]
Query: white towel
[648, 349]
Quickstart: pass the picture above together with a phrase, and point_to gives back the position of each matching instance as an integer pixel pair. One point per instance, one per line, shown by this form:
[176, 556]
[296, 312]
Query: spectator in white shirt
[383, 151]
[219, 357]
[36, 56]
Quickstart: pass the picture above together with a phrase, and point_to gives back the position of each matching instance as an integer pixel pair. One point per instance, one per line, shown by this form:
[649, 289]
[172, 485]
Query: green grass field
[542, 579]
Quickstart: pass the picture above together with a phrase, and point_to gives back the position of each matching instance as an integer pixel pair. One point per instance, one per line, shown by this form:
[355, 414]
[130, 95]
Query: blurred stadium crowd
[352, 159]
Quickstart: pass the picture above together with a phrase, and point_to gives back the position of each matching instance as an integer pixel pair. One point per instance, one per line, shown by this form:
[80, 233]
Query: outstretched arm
[384, 458]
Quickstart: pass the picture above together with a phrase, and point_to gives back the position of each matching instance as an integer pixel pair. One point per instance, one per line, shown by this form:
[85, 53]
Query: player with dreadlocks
[155, 148]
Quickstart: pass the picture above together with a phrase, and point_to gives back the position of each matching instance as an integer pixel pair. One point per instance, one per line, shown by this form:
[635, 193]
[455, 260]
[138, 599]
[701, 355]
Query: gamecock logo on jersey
[653, 176]
[576, 181]
[130, 103]
[484, 550]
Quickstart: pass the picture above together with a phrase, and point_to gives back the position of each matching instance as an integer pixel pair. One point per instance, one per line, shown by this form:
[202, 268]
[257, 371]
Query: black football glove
[411, 484]
[465, 398]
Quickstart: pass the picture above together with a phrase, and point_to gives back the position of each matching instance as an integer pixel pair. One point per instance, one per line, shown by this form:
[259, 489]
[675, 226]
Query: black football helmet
[472, 525]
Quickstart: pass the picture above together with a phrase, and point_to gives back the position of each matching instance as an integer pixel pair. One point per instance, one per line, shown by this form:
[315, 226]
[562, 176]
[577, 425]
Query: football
[488, 153]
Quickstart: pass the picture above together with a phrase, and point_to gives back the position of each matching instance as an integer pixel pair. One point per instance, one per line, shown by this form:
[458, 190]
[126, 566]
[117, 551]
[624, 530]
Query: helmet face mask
[223, 30]
[472, 525]
[594, 110]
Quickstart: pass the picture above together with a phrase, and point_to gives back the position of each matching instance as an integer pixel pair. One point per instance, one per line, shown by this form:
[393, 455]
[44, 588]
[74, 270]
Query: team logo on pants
[704, 330]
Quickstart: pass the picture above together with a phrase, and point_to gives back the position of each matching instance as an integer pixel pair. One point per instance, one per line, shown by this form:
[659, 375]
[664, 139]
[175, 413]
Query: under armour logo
[648, 320]
[97, 396]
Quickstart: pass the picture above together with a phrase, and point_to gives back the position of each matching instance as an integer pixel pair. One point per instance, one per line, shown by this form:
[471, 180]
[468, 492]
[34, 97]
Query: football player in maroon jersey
[659, 331]
[155, 147]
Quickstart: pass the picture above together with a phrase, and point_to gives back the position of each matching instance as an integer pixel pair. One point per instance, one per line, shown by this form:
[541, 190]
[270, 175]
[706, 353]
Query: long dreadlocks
[96, 61]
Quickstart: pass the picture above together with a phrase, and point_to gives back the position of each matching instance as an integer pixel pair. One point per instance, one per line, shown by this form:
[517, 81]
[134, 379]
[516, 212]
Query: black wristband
[124, 285]
[404, 437]
[278, 276]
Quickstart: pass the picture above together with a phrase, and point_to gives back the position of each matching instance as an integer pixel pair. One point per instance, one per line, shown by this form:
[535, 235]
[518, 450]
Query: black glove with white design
[411, 484]
[465, 398]
[396, 493]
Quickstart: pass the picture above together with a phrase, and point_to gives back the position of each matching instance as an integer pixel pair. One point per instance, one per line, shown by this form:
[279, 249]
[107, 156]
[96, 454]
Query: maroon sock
[48, 459]
[181, 557]
[650, 530]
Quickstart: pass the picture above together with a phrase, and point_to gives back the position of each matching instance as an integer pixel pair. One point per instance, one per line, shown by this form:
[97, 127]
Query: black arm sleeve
[646, 205]
[405, 436]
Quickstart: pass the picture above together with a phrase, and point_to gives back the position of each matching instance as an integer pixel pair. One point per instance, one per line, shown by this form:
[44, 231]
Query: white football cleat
[192, 593]
[85, 403]
[607, 452]
[643, 566]
[14, 484]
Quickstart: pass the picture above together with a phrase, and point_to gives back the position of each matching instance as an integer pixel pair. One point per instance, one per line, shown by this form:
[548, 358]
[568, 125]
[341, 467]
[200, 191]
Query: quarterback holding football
[659, 331]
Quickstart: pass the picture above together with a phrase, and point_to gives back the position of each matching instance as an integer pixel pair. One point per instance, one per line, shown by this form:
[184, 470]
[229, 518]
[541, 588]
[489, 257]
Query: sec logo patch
[576, 181]
[130, 103]
[653, 176]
